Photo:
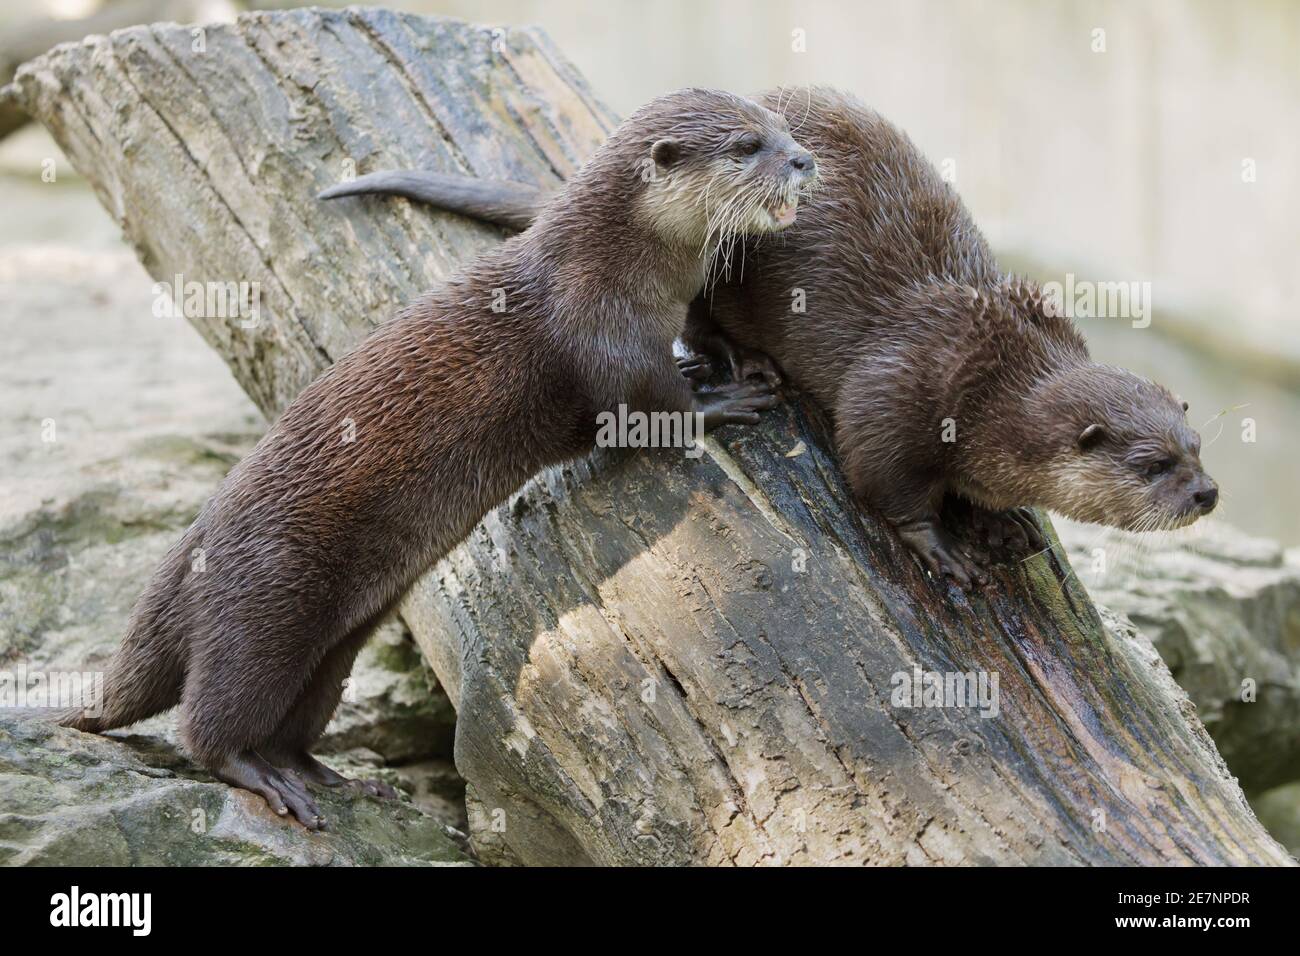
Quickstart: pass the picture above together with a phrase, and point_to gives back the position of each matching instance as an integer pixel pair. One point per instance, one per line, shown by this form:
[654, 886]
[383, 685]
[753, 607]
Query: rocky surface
[1223, 610]
[69, 798]
[1279, 811]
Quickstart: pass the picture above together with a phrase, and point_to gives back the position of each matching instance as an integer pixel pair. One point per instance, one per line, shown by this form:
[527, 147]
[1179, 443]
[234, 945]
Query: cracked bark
[654, 659]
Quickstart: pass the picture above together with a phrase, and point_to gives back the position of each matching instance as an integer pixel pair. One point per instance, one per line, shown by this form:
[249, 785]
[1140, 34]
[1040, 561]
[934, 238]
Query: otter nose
[804, 162]
[1207, 498]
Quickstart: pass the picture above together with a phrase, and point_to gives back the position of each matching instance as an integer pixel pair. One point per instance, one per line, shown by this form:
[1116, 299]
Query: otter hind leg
[237, 692]
[289, 746]
[285, 793]
[255, 701]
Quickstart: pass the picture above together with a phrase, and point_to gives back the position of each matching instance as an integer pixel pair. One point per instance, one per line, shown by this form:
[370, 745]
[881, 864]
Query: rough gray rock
[1279, 811]
[69, 798]
[1223, 610]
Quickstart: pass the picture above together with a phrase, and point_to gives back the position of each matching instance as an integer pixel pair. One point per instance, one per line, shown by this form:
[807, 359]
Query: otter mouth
[783, 214]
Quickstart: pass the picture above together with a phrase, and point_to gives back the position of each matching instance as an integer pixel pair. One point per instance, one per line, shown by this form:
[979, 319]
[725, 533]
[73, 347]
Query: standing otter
[944, 375]
[391, 456]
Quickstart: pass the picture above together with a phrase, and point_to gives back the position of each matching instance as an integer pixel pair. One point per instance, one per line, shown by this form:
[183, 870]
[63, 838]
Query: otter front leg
[742, 362]
[897, 469]
[911, 504]
[909, 494]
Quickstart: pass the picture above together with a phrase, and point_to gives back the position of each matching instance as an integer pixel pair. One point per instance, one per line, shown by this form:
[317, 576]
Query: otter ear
[1091, 437]
[1184, 406]
[666, 153]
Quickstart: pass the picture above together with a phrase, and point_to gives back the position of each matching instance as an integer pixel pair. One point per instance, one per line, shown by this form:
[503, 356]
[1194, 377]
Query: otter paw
[941, 554]
[696, 368]
[737, 403]
[307, 767]
[749, 363]
[1015, 529]
[373, 788]
[285, 793]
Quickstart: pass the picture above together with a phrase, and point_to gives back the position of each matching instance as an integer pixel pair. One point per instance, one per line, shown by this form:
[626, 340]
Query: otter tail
[505, 203]
[147, 674]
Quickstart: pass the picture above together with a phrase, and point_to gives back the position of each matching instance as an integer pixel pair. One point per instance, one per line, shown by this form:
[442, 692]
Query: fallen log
[654, 659]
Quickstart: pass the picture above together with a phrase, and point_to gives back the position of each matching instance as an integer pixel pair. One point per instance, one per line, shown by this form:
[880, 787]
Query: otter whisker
[726, 224]
[806, 112]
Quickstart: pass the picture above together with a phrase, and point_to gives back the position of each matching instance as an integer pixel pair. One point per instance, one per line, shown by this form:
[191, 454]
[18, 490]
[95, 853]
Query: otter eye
[749, 145]
[1157, 468]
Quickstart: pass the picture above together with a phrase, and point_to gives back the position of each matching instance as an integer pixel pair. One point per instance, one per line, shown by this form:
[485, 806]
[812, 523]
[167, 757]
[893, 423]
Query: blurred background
[1150, 142]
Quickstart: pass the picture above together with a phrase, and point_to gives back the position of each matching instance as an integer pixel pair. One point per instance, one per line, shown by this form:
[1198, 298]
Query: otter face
[722, 166]
[1126, 456]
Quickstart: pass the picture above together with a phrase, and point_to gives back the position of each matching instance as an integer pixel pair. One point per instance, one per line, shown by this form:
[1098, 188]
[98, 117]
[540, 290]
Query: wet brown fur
[908, 323]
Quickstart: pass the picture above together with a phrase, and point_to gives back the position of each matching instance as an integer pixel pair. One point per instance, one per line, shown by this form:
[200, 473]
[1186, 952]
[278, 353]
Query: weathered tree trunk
[654, 659]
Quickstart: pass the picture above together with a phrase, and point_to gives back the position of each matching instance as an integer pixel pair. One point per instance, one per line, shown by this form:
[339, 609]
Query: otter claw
[373, 788]
[749, 363]
[697, 368]
[1015, 529]
[737, 403]
[1029, 524]
[941, 555]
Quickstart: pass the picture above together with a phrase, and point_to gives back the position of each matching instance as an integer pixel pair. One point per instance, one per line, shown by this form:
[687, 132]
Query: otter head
[715, 166]
[1121, 452]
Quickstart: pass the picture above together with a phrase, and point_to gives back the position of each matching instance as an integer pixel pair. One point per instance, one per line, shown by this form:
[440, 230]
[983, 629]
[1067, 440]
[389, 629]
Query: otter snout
[1205, 494]
[803, 163]
[800, 170]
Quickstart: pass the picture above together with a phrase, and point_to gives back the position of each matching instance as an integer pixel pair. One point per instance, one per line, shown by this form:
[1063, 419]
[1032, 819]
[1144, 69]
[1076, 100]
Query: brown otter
[392, 456]
[944, 375]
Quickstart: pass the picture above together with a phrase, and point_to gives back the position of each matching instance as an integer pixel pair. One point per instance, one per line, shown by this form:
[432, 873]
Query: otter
[391, 457]
[947, 380]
